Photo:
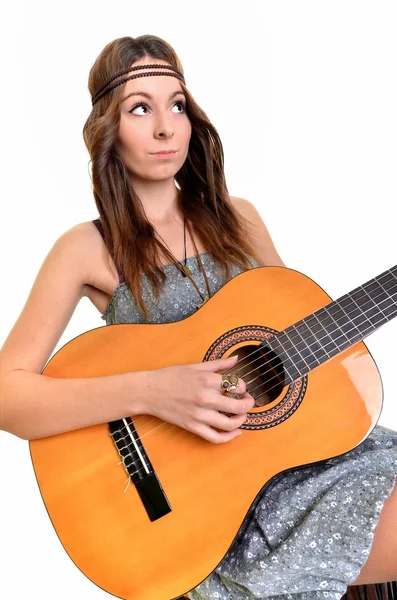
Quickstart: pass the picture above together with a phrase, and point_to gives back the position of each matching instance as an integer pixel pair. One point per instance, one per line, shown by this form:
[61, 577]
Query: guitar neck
[331, 329]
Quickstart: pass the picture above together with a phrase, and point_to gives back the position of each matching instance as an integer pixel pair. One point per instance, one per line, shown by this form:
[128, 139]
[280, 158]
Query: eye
[136, 106]
[146, 106]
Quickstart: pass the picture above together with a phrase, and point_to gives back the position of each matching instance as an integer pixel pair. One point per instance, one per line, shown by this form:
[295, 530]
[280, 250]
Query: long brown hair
[204, 199]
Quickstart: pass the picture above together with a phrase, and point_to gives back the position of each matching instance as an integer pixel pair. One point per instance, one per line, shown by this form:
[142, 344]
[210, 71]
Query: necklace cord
[184, 269]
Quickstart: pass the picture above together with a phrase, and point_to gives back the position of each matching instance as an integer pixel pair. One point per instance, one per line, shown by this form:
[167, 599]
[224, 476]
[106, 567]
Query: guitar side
[106, 532]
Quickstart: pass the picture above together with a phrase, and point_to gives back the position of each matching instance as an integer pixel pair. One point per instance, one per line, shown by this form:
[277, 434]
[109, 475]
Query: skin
[161, 126]
[79, 264]
[381, 564]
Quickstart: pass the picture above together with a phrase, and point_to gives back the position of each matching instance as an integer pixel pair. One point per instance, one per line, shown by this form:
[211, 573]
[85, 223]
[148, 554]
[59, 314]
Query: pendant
[204, 301]
[187, 270]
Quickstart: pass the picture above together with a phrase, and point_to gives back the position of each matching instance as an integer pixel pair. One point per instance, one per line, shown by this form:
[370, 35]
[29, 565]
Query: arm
[34, 405]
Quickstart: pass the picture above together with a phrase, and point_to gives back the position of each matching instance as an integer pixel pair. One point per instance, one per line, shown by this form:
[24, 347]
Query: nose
[163, 127]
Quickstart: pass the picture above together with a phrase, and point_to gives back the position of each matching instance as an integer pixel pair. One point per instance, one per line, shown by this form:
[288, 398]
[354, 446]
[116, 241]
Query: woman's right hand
[190, 396]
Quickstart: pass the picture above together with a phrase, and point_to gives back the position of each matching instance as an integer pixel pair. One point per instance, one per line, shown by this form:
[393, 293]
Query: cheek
[188, 128]
[130, 141]
[188, 135]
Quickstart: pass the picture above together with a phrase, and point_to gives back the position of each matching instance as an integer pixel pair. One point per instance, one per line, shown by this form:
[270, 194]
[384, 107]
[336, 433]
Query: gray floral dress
[310, 531]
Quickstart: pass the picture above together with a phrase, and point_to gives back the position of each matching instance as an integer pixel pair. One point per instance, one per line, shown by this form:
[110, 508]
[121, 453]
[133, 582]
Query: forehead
[157, 86]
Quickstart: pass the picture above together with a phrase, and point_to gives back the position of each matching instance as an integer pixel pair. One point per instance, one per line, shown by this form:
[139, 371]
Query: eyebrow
[151, 97]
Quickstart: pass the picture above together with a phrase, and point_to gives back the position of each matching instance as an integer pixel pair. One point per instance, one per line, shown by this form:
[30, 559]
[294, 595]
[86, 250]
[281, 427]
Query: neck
[333, 328]
[160, 200]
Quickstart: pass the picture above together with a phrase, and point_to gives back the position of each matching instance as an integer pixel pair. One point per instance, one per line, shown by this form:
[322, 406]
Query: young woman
[168, 237]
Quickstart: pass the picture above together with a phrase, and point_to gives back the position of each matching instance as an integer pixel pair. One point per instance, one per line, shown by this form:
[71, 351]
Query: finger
[223, 422]
[235, 406]
[216, 437]
[240, 389]
[216, 365]
[248, 396]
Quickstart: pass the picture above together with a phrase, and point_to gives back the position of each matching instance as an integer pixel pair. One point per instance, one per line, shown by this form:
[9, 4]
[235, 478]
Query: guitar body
[210, 487]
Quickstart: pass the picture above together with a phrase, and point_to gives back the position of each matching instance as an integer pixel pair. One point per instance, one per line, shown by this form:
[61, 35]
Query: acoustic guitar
[147, 510]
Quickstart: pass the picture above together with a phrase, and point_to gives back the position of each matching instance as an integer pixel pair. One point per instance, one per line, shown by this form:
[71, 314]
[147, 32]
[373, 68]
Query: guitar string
[297, 354]
[141, 436]
[309, 346]
[332, 341]
[172, 426]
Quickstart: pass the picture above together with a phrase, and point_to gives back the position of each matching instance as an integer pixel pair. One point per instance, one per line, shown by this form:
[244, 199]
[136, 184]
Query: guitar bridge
[139, 468]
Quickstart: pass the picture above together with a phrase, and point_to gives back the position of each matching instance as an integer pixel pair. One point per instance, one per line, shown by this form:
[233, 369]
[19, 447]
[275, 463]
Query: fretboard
[336, 326]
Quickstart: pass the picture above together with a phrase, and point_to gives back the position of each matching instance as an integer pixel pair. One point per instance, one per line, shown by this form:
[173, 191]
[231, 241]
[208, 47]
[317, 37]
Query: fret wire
[387, 294]
[362, 288]
[391, 305]
[298, 371]
[389, 279]
[296, 344]
[358, 317]
[328, 322]
[307, 346]
[285, 332]
[319, 347]
[331, 341]
[378, 280]
[360, 309]
[284, 357]
[387, 303]
[386, 279]
[314, 315]
[371, 289]
[276, 340]
[340, 319]
[286, 370]
[369, 300]
[367, 304]
[295, 353]
[327, 311]
[293, 346]
[368, 283]
[382, 301]
[291, 354]
[288, 379]
[374, 305]
[354, 326]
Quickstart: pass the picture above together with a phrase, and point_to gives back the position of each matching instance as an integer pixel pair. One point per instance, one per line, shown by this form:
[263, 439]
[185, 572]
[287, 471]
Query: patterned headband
[102, 90]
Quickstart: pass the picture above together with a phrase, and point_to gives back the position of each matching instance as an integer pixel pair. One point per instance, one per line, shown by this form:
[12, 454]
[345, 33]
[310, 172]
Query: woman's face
[148, 125]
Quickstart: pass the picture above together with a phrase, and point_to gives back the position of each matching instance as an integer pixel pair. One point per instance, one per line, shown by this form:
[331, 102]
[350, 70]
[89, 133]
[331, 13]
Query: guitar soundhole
[262, 371]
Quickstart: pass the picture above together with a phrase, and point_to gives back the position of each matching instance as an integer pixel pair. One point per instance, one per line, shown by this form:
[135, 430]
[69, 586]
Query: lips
[165, 152]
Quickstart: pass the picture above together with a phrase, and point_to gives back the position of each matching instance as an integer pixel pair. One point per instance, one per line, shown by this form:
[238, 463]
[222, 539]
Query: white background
[304, 96]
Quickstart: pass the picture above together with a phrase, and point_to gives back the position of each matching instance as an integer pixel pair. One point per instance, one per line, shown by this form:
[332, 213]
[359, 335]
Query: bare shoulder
[101, 276]
[83, 243]
[101, 271]
[258, 232]
[77, 258]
